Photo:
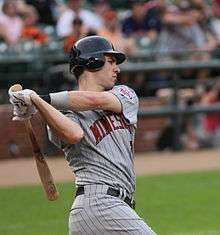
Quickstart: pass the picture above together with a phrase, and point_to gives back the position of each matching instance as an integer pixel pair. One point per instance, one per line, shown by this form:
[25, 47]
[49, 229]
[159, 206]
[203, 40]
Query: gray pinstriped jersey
[105, 154]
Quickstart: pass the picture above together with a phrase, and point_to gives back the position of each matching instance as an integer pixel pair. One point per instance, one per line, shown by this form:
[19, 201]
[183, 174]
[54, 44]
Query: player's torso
[105, 154]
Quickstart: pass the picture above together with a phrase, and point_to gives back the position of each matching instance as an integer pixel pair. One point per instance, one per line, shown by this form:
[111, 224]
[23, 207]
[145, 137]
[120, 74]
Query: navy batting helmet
[89, 53]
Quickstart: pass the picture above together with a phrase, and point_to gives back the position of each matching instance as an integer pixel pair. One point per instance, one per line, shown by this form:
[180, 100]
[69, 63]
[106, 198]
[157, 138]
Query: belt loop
[120, 193]
[124, 194]
[133, 203]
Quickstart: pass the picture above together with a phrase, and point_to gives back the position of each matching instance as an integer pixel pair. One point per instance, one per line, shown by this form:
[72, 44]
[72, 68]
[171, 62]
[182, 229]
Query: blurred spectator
[211, 121]
[10, 22]
[30, 30]
[188, 123]
[143, 23]
[100, 7]
[79, 31]
[47, 10]
[203, 9]
[112, 31]
[64, 24]
[215, 20]
[182, 29]
[166, 139]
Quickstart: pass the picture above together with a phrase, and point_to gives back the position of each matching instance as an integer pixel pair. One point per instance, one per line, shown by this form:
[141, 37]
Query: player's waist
[96, 177]
[115, 192]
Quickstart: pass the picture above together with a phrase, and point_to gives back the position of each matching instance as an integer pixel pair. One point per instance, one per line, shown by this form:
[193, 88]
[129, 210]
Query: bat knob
[16, 87]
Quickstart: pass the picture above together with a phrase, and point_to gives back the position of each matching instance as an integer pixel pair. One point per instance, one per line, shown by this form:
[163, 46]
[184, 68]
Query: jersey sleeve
[129, 102]
[53, 138]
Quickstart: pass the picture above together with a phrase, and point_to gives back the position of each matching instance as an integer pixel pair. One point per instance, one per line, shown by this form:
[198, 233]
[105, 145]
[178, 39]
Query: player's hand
[23, 107]
[22, 96]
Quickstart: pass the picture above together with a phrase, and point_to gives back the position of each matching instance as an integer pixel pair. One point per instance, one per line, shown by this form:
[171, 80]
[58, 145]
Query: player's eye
[111, 61]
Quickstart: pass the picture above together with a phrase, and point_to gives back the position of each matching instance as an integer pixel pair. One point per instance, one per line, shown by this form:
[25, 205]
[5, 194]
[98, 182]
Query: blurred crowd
[201, 130]
[167, 25]
[171, 28]
[168, 29]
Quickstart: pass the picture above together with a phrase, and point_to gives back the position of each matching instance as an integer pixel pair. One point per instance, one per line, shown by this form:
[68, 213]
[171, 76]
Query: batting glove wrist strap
[60, 100]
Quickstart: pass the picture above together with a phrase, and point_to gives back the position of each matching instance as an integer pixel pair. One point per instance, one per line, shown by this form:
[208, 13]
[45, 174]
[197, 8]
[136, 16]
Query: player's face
[107, 76]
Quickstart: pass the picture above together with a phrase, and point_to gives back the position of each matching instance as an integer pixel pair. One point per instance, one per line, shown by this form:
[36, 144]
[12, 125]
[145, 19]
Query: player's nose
[116, 69]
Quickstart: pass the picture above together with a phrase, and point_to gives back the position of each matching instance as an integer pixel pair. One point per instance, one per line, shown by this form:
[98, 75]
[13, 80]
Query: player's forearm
[85, 100]
[66, 129]
[81, 101]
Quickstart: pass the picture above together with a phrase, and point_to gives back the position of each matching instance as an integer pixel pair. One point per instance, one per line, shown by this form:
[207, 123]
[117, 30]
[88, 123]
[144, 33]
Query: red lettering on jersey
[115, 122]
[96, 132]
[110, 122]
[120, 119]
[101, 127]
[107, 124]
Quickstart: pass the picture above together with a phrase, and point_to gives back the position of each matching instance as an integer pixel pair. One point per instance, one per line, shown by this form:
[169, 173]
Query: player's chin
[113, 82]
[109, 86]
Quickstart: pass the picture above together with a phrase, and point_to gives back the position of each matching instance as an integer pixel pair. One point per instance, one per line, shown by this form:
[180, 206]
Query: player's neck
[89, 85]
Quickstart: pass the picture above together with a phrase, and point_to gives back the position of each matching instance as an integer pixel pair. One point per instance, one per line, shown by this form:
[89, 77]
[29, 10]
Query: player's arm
[86, 100]
[81, 100]
[121, 99]
[67, 130]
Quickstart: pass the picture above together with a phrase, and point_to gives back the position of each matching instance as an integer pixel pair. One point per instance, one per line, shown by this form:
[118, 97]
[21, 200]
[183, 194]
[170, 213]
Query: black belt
[111, 192]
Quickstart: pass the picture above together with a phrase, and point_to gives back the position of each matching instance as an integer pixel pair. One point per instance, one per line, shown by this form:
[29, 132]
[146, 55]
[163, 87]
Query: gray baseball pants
[96, 213]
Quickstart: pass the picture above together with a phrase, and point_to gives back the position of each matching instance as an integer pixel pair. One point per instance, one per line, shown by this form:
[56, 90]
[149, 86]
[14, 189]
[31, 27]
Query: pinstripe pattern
[98, 213]
[104, 157]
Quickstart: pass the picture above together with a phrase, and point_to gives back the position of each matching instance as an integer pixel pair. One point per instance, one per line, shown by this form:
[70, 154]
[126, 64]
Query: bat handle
[32, 137]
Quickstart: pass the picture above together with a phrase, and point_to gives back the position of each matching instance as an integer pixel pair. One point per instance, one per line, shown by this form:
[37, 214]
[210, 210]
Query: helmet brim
[119, 56]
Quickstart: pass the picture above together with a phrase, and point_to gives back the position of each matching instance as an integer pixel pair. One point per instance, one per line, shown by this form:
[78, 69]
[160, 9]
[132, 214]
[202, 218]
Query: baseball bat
[42, 166]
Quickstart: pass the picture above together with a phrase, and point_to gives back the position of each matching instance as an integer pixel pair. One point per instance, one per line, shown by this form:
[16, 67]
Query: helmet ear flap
[74, 53]
[75, 60]
[94, 63]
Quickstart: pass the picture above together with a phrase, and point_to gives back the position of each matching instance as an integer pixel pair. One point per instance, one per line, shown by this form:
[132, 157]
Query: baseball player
[96, 131]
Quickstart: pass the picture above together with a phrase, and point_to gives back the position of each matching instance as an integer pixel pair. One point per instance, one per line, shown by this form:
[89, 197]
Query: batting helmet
[89, 53]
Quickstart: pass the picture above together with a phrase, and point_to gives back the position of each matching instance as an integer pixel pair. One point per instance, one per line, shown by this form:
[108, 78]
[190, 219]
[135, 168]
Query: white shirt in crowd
[12, 26]
[215, 24]
[64, 25]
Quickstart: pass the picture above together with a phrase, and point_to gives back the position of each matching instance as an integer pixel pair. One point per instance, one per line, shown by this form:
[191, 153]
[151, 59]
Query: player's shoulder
[124, 91]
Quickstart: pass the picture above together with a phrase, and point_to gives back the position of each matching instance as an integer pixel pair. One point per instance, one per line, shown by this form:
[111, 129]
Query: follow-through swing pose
[96, 131]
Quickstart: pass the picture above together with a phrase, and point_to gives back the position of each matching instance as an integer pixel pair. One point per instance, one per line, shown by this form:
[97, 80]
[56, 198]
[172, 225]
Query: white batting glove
[23, 108]
[22, 96]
